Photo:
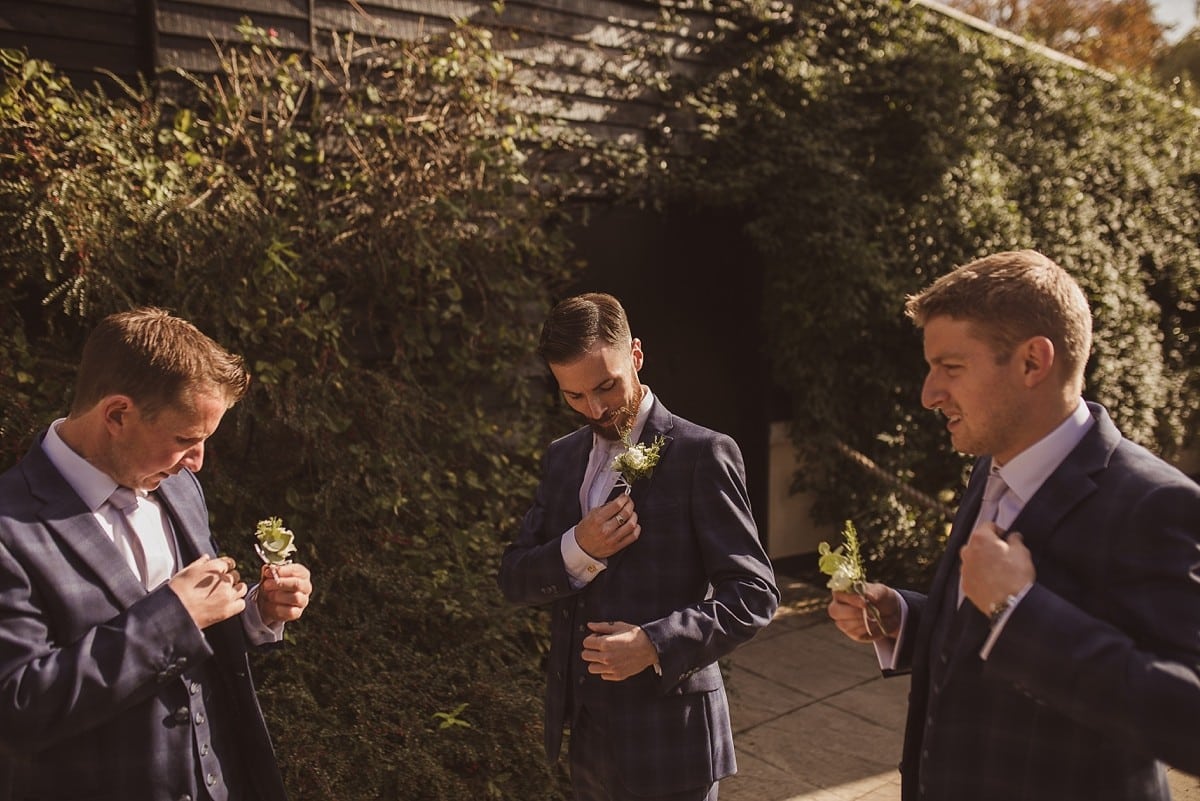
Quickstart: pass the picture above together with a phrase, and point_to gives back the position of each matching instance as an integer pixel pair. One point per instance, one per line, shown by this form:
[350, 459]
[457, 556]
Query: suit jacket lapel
[1069, 485]
[74, 525]
[659, 422]
[189, 518]
[568, 463]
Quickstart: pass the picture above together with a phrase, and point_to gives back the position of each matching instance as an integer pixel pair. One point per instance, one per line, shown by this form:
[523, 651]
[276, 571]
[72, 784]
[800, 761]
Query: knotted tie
[145, 538]
[989, 508]
[993, 491]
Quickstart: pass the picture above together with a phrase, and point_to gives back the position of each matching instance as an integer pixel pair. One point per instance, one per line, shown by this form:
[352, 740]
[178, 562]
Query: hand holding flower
[284, 586]
[844, 567]
[283, 592]
[609, 528]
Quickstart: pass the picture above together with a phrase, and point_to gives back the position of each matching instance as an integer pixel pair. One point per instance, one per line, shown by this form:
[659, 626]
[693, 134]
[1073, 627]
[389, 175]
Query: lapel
[659, 422]
[1070, 484]
[565, 467]
[75, 528]
[190, 519]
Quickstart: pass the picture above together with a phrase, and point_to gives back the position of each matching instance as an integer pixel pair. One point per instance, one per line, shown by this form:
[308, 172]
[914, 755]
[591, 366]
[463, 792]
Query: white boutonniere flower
[274, 544]
[844, 567]
[637, 462]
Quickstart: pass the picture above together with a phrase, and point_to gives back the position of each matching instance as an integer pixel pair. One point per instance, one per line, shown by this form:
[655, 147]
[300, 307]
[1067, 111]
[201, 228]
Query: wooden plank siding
[565, 50]
[80, 36]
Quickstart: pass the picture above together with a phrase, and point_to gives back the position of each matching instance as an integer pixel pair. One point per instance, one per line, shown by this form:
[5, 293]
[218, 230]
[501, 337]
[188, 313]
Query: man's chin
[608, 432]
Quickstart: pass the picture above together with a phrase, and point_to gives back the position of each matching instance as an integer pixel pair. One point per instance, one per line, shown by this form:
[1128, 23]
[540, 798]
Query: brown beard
[622, 419]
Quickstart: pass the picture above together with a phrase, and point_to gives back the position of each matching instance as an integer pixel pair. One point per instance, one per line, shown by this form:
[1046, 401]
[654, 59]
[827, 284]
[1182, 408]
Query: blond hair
[157, 360]
[1008, 298]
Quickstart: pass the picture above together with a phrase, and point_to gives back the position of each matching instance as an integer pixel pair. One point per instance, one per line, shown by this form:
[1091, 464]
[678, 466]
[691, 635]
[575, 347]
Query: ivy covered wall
[878, 145]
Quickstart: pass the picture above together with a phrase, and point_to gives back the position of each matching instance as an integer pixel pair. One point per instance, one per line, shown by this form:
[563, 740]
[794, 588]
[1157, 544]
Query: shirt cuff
[258, 632]
[887, 649]
[998, 626]
[581, 568]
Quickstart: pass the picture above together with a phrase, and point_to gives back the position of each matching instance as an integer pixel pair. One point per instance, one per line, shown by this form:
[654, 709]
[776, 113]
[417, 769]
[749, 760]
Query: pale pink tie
[993, 491]
[146, 538]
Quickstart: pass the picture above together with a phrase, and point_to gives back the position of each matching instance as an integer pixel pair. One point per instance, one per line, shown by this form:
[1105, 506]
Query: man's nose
[932, 395]
[194, 458]
[596, 409]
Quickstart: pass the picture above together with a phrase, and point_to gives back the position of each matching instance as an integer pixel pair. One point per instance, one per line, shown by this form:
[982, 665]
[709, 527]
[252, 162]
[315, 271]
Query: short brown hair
[576, 324]
[157, 360]
[1010, 297]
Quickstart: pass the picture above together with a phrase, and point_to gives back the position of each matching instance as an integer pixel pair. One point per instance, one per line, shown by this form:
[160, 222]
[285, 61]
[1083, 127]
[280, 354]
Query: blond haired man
[123, 635]
[1057, 653]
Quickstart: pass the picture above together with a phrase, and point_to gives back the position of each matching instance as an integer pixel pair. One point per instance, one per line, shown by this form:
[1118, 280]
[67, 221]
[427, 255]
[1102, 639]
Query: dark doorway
[692, 287]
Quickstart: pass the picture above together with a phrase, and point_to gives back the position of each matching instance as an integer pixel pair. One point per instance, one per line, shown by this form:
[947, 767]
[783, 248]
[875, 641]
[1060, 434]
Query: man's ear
[635, 353]
[116, 411]
[1037, 359]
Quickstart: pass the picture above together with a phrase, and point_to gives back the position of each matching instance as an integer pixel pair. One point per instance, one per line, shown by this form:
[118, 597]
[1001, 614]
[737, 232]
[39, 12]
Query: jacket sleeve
[50, 690]
[531, 569]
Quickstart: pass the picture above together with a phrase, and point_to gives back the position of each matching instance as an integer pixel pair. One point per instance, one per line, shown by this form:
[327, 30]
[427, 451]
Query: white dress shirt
[598, 481]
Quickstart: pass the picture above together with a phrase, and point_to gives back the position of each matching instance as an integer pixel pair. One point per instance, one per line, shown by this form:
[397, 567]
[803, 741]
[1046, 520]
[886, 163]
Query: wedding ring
[620, 521]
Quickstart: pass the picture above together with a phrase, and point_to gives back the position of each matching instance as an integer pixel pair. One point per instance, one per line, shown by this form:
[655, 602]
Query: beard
[618, 423]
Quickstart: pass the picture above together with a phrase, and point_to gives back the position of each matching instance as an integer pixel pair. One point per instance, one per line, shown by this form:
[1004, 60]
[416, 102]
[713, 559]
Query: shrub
[368, 233]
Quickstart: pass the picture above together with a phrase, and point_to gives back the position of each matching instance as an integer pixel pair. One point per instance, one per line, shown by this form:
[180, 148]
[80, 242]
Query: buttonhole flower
[637, 461]
[844, 567]
[274, 543]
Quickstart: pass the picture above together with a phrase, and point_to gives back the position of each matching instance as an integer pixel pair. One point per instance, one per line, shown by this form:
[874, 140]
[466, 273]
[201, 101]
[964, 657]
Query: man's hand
[851, 615]
[283, 592]
[617, 651]
[994, 568]
[210, 589]
[608, 529]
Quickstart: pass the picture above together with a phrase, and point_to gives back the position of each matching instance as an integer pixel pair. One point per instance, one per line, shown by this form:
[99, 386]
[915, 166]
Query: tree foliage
[1111, 34]
[881, 145]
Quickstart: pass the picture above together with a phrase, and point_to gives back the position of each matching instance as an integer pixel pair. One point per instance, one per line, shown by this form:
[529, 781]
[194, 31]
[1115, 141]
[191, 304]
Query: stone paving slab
[814, 720]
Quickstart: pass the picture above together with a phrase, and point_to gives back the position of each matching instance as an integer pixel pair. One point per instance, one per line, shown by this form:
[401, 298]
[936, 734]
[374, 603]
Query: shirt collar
[92, 485]
[1028, 470]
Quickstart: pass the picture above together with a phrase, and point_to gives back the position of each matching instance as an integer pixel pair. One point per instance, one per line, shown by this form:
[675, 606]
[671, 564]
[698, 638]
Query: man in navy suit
[1057, 654]
[123, 635]
[649, 589]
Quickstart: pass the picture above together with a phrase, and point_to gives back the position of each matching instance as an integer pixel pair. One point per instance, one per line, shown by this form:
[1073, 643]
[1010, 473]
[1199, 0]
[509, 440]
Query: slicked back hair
[578, 324]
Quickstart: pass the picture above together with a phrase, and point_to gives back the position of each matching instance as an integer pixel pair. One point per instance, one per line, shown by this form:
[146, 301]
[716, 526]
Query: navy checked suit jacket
[1096, 675]
[91, 664]
[670, 733]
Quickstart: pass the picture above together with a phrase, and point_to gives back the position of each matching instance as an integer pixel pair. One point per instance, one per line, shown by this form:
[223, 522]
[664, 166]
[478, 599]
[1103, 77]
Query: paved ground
[814, 721]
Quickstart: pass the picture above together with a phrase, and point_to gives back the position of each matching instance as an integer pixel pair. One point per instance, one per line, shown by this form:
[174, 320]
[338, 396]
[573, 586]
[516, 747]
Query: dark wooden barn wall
[562, 47]
[80, 36]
